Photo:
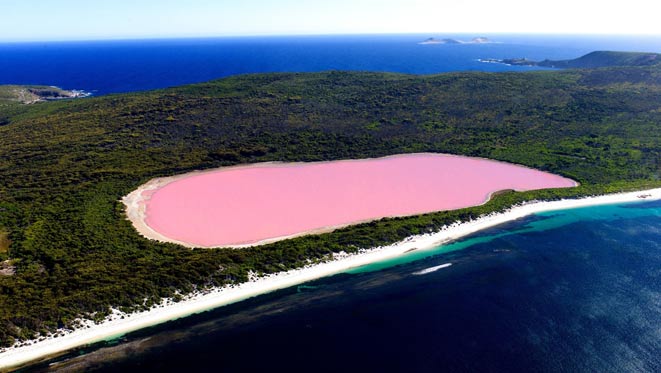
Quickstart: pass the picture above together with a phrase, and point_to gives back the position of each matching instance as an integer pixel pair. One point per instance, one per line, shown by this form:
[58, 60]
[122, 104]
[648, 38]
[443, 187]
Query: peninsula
[588, 61]
[30, 94]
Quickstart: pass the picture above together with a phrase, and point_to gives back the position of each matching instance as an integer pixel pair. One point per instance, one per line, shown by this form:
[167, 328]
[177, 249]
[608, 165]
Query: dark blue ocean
[104, 67]
[568, 291]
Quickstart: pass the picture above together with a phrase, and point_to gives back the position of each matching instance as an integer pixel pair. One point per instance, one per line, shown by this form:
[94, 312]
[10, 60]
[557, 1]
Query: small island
[477, 40]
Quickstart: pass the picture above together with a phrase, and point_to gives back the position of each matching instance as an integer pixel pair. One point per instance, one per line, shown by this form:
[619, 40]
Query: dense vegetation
[65, 165]
[606, 59]
[594, 60]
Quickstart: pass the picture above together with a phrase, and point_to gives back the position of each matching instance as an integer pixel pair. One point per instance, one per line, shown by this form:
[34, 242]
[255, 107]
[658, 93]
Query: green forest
[67, 250]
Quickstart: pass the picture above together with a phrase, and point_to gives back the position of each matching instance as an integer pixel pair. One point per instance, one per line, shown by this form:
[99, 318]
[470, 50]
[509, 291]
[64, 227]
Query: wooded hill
[593, 60]
[68, 251]
[606, 59]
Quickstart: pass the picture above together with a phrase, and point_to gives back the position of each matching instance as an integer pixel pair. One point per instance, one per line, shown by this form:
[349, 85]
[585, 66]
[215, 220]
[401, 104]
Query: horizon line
[284, 35]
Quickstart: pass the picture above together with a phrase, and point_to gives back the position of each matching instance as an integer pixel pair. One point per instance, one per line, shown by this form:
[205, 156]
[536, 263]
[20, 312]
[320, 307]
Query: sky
[46, 20]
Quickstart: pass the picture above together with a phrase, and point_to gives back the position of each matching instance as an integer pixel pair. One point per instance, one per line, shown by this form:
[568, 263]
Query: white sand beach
[118, 324]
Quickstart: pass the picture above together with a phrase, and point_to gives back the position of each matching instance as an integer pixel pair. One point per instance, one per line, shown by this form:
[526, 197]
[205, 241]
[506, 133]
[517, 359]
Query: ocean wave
[431, 269]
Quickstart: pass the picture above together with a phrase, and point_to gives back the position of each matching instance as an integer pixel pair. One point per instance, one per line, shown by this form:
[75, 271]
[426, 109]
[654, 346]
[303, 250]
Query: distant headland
[30, 94]
[589, 61]
[477, 40]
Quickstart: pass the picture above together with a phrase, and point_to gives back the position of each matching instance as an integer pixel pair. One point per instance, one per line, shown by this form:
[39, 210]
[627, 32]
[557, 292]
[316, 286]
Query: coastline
[136, 202]
[118, 323]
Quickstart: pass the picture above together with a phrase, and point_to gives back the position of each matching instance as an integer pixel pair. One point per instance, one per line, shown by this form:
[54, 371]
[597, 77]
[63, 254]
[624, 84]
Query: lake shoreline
[138, 201]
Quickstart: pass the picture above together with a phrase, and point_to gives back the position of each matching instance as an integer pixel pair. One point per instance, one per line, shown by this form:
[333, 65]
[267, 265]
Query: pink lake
[264, 202]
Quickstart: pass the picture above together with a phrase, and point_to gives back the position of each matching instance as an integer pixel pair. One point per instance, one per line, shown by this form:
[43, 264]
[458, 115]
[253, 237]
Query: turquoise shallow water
[572, 290]
[540, 222]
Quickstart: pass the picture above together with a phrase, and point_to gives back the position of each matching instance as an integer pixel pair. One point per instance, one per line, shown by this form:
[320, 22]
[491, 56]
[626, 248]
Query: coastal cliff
[30, 94]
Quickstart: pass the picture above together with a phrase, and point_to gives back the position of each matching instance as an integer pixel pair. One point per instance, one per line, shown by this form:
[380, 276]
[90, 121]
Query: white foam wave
[431, 269]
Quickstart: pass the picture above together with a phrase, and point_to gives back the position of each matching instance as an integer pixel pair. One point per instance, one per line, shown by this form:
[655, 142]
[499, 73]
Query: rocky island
[477, 40]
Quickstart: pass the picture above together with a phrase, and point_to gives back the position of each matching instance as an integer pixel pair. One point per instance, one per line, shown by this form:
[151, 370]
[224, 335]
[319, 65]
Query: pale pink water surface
[243, 205]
